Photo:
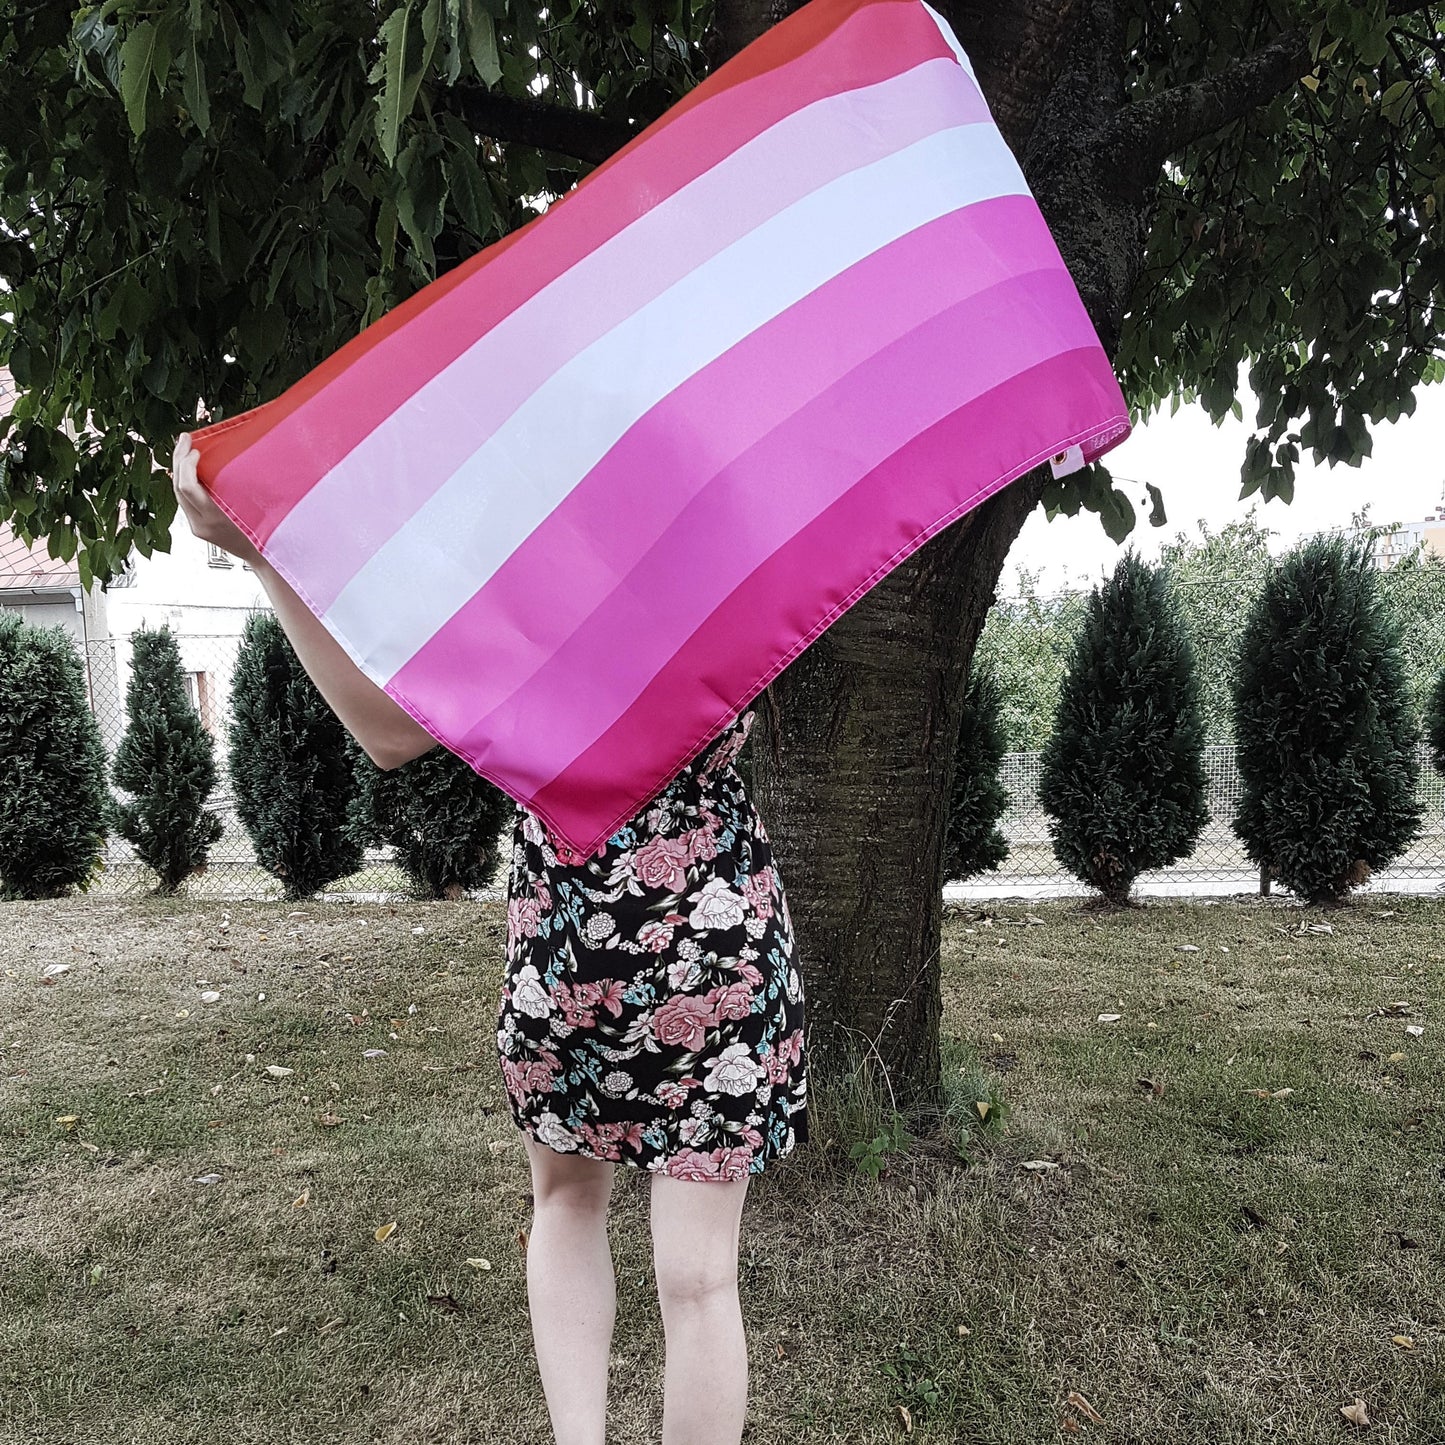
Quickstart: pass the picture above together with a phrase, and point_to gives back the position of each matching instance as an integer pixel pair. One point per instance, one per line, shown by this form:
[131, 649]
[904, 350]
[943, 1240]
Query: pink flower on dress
[758, 890]
[702, 842]
[683, 1020]
[662, 862]
[524, 915]
[574, 1006]
[731, 1000]
[597, 1140]
[672, 1094]
[525, 1078]
[609, 996]
[654, 935]
[719, 1163]
[751, 972]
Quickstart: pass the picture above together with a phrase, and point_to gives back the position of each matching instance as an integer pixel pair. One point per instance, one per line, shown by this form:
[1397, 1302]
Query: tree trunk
[853, 762]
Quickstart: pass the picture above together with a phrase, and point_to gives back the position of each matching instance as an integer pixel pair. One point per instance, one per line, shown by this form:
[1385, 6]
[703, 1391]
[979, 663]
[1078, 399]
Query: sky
[1196, 466]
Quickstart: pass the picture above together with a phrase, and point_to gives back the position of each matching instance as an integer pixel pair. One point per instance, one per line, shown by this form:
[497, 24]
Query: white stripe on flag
[446, 552]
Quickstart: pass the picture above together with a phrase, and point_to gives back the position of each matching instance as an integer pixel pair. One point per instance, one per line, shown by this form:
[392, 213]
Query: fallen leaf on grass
[69, 1120]
[1188, 948]
[210, 996]
[446, 1302]
[1356, 1413]
[207, 1179]
[1414, 1030]
[1038, 1165]
[905, 1418]
[1110, 1018]
[52, 971]
[1084, 1407]
[303, 1199]
[480, 1263]
[1405, 1342]
[373, 1053]
[278, 1072]
[385, 1232]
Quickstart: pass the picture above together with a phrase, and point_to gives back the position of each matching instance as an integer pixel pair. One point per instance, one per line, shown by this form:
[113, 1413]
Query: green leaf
[138, 55]
[399, 86]
[1156, 512]
[482, 42]
[193, 88]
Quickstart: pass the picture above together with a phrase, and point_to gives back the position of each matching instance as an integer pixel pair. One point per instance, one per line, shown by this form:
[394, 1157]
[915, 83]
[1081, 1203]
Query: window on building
[198, 689]
[217, 556]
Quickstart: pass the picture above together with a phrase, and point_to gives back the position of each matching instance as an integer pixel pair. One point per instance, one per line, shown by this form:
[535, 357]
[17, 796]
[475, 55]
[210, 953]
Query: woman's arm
[388, 733]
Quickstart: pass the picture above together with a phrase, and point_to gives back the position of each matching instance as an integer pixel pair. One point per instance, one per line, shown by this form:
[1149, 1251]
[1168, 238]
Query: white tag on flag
[1066, 462]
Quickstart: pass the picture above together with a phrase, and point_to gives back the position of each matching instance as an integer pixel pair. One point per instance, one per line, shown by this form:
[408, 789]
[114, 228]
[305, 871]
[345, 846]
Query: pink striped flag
[577, 502]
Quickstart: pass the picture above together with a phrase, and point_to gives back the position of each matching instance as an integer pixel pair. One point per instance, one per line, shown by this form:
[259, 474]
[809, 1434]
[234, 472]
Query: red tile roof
[22, 568]
[26, 569]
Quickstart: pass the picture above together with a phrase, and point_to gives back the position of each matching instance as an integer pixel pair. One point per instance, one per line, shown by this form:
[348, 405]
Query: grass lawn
[1241, 1231]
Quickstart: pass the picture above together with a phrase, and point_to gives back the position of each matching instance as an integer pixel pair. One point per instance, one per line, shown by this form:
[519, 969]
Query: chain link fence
[1028, 640]
[232, 871]
[1217, 865]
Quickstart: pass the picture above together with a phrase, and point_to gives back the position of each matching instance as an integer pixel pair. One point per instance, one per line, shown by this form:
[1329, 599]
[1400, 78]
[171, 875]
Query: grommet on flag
[576, 503]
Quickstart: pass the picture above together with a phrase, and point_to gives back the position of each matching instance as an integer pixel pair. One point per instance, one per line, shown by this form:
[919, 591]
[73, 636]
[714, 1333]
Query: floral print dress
[651, 1010]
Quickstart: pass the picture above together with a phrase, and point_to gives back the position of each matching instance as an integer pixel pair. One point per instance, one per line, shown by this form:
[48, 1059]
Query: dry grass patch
[1209, 1258]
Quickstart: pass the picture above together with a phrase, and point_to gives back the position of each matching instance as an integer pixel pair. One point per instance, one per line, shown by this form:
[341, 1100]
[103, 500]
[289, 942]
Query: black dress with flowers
[651, 1010]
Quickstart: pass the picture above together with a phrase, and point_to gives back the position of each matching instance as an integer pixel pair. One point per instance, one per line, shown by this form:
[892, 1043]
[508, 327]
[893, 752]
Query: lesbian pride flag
[577, 502]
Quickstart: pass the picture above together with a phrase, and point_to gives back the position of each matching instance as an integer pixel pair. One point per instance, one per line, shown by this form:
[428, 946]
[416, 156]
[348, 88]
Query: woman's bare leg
[571, 1289]
[695, 1256]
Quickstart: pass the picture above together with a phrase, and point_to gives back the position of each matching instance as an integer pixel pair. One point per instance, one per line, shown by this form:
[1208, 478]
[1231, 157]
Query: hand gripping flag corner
[577, 502]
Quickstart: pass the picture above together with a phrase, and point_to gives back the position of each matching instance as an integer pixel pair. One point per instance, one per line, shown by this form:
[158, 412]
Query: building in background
[1399, 539]
[200, 592]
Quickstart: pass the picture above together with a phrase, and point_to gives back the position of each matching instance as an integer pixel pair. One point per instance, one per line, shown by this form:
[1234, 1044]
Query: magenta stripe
[783, 481]
[266, 480]
[371, 493]
[662, 463]
[942, 473]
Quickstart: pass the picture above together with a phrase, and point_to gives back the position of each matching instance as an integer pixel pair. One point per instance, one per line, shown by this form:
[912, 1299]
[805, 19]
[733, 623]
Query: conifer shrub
[166, 762]
[973, 841]
[52, 765]
[291, 765]
[1435, 724]
[1123, 777]
[1325, 734]
[442, 817]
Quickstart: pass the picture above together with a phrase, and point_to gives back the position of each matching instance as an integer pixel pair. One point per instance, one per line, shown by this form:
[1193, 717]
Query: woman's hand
[206, 519]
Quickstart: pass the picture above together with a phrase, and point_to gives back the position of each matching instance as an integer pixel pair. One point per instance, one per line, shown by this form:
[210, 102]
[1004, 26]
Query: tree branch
[1143, 135]
[585, 135]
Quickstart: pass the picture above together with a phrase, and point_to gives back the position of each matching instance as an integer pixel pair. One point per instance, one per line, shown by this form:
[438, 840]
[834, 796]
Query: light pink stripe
[783, 481]
[917, 492]
[372, 492]
[566, 568]
[277, 468]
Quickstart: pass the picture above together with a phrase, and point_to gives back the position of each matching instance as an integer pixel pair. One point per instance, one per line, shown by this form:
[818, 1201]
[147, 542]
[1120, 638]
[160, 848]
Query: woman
[651, 1015]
